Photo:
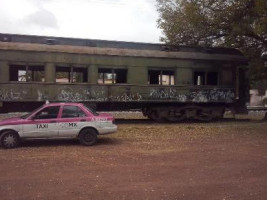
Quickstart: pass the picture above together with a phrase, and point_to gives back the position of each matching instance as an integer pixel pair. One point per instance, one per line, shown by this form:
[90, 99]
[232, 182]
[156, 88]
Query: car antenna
[46, 102]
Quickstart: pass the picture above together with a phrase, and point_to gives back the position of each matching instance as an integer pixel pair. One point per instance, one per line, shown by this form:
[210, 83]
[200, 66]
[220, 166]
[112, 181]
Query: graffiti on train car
[103, 94]
[200, 96]
[213, 95]
[171, 93]
[94, 94]
[127, 97]
[70, 95]
[12, 95]
[42, 95]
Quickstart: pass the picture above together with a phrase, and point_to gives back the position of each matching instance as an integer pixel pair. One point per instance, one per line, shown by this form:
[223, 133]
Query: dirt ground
[225, 160]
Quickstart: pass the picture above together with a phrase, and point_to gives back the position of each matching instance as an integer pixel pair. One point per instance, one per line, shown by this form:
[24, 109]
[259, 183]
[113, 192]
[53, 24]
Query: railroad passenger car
[166, 83]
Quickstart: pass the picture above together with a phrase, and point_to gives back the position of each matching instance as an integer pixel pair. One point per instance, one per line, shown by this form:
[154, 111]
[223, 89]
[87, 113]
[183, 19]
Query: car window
[29, 114]
[48, 113]
[72, 111]
[90, 109]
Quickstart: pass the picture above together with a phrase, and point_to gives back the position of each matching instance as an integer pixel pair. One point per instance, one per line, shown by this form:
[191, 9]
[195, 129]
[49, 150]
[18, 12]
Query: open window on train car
[71, 74]
[26, 73]
[62, 74]
[205, 78]
[161, 77]
[79, 75]
[112, 76]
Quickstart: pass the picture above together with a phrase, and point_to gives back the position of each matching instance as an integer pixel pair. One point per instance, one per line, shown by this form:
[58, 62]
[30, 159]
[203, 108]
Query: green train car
[166, 83]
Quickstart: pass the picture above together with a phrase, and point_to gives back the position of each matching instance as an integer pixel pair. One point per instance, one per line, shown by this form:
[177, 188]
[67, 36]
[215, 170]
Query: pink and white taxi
[57, 120]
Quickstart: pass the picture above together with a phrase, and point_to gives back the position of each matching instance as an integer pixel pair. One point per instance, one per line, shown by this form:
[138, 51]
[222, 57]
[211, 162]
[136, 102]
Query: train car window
[205, 78]
[36, 73]
[112, 76]
[105, 76]
[212, 78]
[154, 77]
[71, 74]
[79, 75]
[199, 78]
[63, 74]
[17, 73]
[161, 77]
[25, 73]
[120, 75]
[167, 78]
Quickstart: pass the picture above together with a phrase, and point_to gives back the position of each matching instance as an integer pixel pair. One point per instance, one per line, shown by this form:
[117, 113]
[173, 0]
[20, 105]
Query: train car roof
[111, 44]
[31, 43]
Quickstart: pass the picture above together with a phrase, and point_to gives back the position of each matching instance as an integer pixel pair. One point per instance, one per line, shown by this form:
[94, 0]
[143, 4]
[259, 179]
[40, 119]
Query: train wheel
[155, 116]
[204, 115]
[176, 116]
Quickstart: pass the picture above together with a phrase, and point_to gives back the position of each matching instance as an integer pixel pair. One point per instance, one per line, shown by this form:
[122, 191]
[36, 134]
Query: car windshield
[28, 114]
[91, 109]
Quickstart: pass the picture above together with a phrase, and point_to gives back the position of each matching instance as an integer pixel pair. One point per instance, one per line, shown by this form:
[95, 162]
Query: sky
[122, 20]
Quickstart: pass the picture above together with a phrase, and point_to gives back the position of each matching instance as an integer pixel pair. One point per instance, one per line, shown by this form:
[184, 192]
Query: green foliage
[240, 24]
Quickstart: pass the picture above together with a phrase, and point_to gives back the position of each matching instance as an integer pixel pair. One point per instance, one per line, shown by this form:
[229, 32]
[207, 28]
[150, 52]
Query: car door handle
[53, 121]
[83, 120]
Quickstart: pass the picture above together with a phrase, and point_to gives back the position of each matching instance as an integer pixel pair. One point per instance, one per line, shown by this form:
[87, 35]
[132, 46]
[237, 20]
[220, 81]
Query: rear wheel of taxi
[9, 139]
[88, 137]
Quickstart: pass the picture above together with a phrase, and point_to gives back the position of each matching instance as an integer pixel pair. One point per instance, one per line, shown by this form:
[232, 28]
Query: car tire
[88, 137]
[9, 139]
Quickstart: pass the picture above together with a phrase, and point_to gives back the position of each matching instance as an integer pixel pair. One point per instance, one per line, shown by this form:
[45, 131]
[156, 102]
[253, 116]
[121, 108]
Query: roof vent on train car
[5, 38]
[50, 41]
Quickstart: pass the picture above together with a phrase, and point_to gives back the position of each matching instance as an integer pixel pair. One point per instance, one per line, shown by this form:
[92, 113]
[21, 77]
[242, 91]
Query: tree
[240, 24]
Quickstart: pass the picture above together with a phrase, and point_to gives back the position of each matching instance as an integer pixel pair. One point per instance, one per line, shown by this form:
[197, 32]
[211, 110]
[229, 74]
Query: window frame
[113, 73]
[161, 74]
[206, 71]
[81, 110]
[29, 71]
[35, 114]
[71, 70]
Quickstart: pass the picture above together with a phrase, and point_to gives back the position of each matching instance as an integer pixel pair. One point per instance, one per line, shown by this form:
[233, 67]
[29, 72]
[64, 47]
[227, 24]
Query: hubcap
[10, 140]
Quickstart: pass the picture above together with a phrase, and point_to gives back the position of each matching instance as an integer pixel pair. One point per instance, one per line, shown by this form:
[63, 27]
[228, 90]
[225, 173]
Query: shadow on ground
[149, 121]
[102, 141]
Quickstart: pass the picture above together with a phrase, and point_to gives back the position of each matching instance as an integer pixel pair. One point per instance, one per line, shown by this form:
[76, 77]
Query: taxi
[57, 120]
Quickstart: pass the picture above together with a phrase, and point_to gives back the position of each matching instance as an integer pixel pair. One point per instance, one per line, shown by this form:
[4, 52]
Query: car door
[44, 124]
[72, 119]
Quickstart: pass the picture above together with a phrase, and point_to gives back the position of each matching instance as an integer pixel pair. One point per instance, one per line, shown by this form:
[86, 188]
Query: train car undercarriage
[176, 114]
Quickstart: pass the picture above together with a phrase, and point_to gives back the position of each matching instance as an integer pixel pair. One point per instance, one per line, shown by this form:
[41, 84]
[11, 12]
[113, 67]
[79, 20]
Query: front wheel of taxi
[88, 137]
[9, 139]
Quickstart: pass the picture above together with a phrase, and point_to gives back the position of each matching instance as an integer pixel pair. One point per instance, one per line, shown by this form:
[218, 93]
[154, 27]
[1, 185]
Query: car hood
[11, 121]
